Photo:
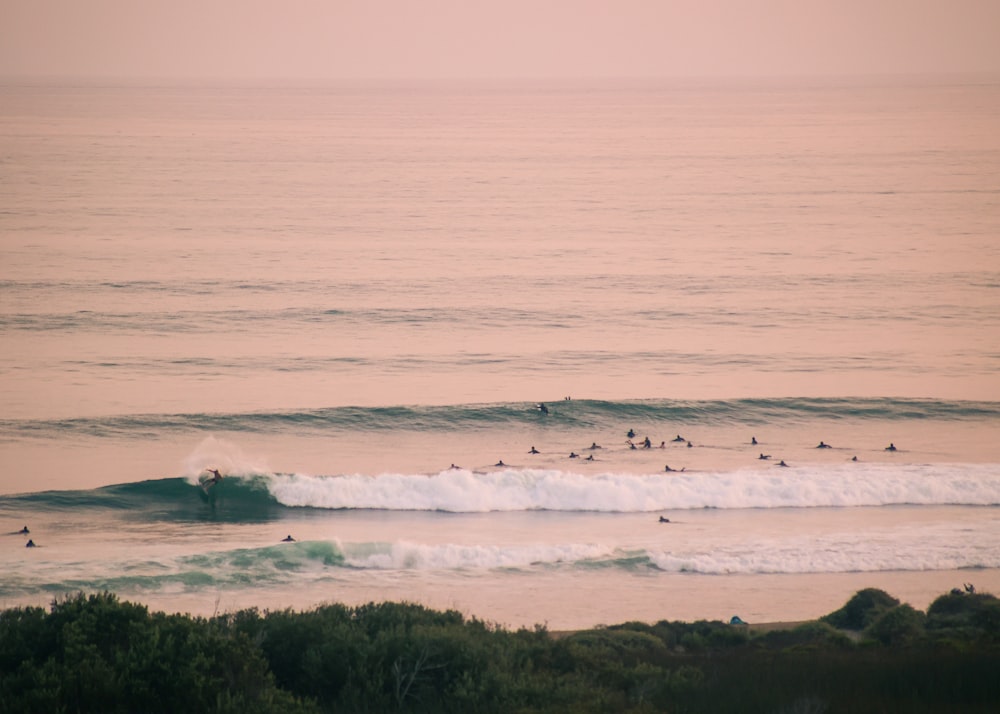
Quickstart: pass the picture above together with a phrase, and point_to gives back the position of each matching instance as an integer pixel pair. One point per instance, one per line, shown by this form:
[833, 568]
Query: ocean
[351, 300]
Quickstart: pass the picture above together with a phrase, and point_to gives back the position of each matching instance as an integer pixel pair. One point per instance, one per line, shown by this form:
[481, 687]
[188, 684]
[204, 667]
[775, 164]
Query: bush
[861, 610]
[965, 617]
[899, 626]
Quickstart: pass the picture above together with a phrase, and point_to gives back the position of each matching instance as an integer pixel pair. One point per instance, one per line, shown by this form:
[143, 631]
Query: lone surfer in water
[782, 463]
[823, 445]
[763, 457]
[30, 544]
[24, 531]
[216, 477]
[678, 438]
[533, 450]
[890, 447]
[543, 409]
[288, 539]
[664, 520]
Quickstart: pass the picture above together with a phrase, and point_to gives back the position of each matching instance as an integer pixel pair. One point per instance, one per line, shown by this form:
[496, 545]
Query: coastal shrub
[861, 610]
[94, 653]
[902, 625]
[965, 617]
[808, 635]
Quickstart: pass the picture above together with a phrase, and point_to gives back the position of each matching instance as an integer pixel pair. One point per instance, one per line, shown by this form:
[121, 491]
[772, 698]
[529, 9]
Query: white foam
[406, 555]
[459, 490]
[217, 453]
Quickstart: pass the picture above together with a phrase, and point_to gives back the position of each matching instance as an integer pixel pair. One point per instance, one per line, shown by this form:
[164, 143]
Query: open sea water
[350, 300]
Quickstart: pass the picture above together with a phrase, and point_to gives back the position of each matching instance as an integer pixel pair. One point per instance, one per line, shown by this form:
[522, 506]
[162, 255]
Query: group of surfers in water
[648, 444]
[25, 531]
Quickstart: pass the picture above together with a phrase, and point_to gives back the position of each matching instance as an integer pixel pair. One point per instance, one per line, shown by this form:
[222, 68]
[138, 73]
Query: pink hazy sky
[408, 39]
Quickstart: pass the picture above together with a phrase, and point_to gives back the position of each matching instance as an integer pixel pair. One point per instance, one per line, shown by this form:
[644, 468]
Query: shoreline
[763, 602]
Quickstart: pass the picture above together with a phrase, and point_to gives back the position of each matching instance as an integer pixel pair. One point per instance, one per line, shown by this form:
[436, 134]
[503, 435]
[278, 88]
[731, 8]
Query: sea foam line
[462, 491]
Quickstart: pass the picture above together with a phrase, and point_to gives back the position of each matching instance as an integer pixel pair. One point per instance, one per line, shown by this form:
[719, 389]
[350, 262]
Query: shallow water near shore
[334, 295]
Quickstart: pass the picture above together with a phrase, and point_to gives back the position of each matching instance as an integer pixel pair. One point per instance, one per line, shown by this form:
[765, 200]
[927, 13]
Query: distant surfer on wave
[216, 477]
[288, 539]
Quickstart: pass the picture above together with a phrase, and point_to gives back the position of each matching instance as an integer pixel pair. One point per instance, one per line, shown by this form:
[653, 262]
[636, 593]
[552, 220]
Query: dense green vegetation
[97, 654]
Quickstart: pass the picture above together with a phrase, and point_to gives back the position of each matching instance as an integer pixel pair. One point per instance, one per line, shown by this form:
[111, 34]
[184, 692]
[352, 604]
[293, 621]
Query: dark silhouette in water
[782, 463]
[678, 438]
[664, 520]
[533, 450]
[890, 447]
[543, 409]
[753, 440]
[288, 539]
[24, 531]
[30, 544]
[500, 463]
[822, 445]
[763, 456]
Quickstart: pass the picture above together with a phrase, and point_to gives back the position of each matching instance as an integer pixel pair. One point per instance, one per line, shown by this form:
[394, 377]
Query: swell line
[582, 413]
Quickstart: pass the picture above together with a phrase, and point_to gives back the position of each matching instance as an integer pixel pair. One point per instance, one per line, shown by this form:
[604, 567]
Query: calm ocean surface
[334, 294]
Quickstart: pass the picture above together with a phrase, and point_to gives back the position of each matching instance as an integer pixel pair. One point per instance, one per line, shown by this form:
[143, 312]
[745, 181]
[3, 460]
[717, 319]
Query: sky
[460, 39]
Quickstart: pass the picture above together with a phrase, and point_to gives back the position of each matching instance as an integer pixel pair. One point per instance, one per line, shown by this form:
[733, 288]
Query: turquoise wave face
[561, 414]
[244, 500]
